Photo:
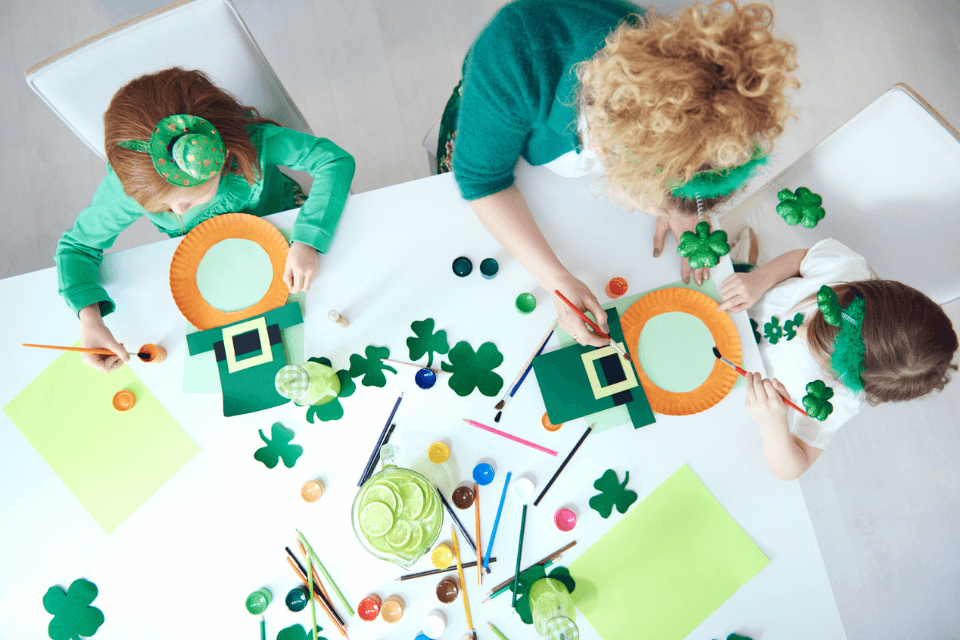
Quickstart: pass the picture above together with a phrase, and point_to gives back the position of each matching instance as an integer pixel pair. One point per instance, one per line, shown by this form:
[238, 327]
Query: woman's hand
[95, 335]
[303, 262]
[765, 400]
[678, 224]
[581, 296]
[741, 291]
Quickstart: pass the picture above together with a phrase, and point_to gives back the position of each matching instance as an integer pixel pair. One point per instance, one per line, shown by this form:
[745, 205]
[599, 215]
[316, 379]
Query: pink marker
[510, 437]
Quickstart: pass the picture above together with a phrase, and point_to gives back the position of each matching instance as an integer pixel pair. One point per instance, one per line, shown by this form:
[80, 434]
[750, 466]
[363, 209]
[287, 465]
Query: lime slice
[399, 535]
[415, 542]
[376, 519]
[382, 494]
[412, 500]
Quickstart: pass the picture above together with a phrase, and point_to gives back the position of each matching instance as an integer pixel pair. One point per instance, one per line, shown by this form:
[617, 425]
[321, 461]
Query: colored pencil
[516, 575]
[496, 521]
[316, 594]
[432, 572]
[562, 465]
[101, 352]
[323, 570]
[476, 516]
[320, 592]
[459, 524]
[593, 325]
[313, 606]
[716, 352]
[524, 370]
[509, 436]
[319, 584]
[263, 628]
[375, 456]
[497, 631]
[509, 584]
[463, 585]
[543, 560]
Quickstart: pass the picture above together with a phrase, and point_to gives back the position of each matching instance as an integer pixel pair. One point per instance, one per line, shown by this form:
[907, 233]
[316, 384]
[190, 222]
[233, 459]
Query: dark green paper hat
[186, 150]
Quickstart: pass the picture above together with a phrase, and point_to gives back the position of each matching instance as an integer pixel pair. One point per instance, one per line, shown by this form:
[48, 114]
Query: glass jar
[310, 383]
[554, 614]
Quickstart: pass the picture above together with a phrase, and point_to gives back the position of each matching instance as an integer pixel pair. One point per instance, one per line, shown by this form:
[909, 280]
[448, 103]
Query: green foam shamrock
[371, 367]
[802, 206]
[703, 248]
[73, 616]
[772, 330]
[332, 410]
[297, 632]
[756, 334]
[790, 326]
[612, 493]
[474, 370]
[817, 400]
[278, 446]
[829, 306]
[526, 582]
[426, 341]
[734, 636]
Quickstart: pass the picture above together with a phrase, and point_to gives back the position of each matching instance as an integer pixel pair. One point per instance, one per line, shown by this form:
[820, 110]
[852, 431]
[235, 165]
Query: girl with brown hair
[823, 317]
[180, 150]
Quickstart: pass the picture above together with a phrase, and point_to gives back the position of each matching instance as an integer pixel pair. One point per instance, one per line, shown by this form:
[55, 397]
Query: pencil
[319, 590]
[516, 575]
[543, 560]
[463, 586]
[372, 462]
[323, 570]
[317, 596]
[497, 631]
[524, 370]
[313, 606]
[476, 516]
[319, 584]
[510, 436]
[496, 521]
[459, 524]
[593, 325]
[562, 465]
[716, 352]
[263, 628]
[509, 584]
[433, 572]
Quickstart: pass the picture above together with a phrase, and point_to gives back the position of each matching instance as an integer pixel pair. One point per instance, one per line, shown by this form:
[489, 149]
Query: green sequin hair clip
[848, 347]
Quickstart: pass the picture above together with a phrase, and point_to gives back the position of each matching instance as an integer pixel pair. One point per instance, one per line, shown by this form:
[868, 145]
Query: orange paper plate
[187, 257]
[721, 379]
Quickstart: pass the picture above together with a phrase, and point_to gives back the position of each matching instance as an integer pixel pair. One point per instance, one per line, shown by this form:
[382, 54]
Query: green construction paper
[112, 461]
[73, 616]
[332, 410]
[426, 342]
[297, 632]
[278, 446]
[474, 370]
[612, 493]
[526, 582]
[371, 367]
[676, 351]
[666, 566]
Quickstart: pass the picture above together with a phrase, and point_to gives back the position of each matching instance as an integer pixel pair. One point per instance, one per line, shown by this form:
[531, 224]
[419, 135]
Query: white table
[182, 564]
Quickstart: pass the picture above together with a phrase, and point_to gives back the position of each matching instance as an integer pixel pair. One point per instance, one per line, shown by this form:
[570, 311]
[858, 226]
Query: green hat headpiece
[714, 183]
[186, 150]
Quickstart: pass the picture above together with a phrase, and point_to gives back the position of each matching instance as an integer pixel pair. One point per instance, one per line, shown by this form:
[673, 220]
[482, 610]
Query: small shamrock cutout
[703, 248]
[772, 330]
[474, 370]
[756, 334]
[371, 367]
[612, 493]
[332, 410]
[735, 636]
[829, 306]
[297, 632]
[73, 616]
[817, 400]
[802, 206]
[426, 341]
[790, 326]
[278, 446]
[528, 578]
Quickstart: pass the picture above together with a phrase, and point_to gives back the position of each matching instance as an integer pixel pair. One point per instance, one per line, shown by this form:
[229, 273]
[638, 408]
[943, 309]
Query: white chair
[430, 141]
[208, 35]
[890, 181]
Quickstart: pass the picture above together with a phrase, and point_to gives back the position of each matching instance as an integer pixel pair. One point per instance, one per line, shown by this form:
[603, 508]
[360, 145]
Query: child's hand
[765, 399]
[741, 291]
[95, 335]
[303, 262]
[581, 296]
[678, 224]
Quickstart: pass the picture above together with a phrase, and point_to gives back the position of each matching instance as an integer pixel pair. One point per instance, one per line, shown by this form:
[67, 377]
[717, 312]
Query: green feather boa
[715, 183]
[848, 348]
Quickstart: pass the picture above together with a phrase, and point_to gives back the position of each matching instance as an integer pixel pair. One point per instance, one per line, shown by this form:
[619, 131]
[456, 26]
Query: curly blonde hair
[672, 94]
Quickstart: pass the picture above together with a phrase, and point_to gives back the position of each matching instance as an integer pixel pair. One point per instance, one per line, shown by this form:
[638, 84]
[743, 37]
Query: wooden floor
[373, 74]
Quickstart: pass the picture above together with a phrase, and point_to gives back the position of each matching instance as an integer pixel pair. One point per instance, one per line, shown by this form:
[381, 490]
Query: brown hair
[666, 97]
[909, 341]
[139, 105]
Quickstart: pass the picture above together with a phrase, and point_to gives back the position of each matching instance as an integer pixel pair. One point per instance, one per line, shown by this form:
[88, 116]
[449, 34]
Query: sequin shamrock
[703, 248]
[829, 306]
[528, 578]
[278, 446]
[790, 326]
[612, 493]
[756, 334]
[474, 370]
[817, 400]
[73, 616]
[426, 342]
[802, 206]
[772, 330]
[332, 410]
[371, 367]
[297, 632]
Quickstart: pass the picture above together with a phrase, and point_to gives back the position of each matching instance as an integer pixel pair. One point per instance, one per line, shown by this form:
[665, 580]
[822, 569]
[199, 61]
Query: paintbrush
[593, 325]
[524, 370]
[143, 355]
[716, 352]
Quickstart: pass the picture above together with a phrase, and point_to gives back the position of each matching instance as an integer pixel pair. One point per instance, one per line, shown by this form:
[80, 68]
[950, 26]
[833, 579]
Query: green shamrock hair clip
[817, 400]
[704, 247]
[186, 150]
[848, 346]
[800, 207]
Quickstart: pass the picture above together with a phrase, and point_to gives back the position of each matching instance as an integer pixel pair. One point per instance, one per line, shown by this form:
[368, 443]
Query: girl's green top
[520, 87]
[80, 250]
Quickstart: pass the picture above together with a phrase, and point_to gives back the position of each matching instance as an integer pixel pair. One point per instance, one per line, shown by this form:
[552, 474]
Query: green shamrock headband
[714, 183]
[186, 150]
[848, 347]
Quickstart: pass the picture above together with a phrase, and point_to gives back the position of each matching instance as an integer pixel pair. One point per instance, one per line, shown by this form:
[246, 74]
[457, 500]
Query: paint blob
[463, 497]
[483, 474]
[489, 269]
[526, 303]
[425, 378]
[462, 266]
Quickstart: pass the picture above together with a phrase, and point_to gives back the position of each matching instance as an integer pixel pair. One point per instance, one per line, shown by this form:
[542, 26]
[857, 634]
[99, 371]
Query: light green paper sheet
[112, 461]
[676, 351]
[669, 563]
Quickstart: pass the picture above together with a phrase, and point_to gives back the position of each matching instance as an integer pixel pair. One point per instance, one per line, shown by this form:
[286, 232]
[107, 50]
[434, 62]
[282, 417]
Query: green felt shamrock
[790, 326]
[297, 632]
[817, 400]
[756, 334]
[73, 616]
[371, 367]
[612, 493]
[278, 446]
[426, 341]
[332, 410]
[474, 370]
[802, 206]
[829, 305]
[735, 636]
[703, 248]
[772, 330]
[526, 582]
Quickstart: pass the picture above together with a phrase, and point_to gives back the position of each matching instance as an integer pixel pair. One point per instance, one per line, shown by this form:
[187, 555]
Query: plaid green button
[561, 628]
[292, 381]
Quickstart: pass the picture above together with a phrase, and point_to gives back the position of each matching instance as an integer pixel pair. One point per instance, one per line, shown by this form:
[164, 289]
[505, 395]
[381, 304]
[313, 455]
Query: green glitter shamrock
[703, 248]
[772, 330]
[297, 632]
[426, 341]
[474, 370]
[612, 493]
[829, 306]
[756, 334]
[73, 616]
[528, 578]
[790, 326]
[817, 400]
[802, 206]
[332, 410]
[278, 446]
[371, 367]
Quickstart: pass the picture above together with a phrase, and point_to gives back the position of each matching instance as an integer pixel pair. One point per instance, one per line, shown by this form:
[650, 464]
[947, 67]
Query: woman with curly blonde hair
[675, 111]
